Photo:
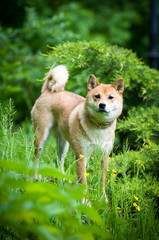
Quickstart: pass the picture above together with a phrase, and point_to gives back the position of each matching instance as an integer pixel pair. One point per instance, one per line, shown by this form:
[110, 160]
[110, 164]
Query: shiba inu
[80, 122]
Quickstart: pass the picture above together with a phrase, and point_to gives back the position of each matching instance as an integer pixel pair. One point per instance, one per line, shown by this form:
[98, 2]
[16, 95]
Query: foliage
[141, 126]
[42, 210]
[119, 22]
[40, 32]
[19, 67]
[52, 209]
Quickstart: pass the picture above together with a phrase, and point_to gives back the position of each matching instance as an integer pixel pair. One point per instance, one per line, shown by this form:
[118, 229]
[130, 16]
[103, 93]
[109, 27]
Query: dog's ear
[92, 82]
[119, 85]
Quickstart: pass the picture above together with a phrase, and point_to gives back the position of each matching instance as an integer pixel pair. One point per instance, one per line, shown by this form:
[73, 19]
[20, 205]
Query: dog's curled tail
[56, 79]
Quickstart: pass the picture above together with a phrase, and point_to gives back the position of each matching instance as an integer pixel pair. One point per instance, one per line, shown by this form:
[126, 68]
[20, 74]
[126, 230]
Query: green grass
[52, 209]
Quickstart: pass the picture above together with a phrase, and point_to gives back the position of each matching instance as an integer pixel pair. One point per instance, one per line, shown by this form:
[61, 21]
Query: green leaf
[52, 172]
[18, 167]
[46, 192]
[91, 213]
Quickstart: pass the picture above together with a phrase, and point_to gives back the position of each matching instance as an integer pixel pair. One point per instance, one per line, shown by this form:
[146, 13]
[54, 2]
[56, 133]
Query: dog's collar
[100, 125]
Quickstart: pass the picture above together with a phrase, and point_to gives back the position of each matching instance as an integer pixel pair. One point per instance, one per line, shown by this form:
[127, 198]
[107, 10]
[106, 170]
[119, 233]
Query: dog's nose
[102, 106]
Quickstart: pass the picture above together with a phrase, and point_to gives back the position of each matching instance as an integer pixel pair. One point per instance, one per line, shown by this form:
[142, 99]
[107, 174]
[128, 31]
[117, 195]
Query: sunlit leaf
[52, 172]
[18, 167]
[91, 213]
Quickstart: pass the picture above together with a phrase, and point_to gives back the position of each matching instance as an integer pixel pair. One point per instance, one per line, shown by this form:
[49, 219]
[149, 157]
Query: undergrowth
[52, 208]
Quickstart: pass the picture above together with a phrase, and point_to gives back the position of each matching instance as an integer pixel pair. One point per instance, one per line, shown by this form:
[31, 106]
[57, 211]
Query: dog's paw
[65, 180]
[38, 177]
[105, 198]
[86, 201]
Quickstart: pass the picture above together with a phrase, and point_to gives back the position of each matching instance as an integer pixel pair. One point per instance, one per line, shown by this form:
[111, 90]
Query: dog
[82, 123]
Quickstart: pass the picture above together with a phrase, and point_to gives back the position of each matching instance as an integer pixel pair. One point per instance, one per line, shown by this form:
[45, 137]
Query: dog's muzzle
[102, 108]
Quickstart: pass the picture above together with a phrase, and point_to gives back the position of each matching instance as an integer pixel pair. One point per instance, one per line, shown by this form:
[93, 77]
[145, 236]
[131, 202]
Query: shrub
[18, 70]
[140, 126]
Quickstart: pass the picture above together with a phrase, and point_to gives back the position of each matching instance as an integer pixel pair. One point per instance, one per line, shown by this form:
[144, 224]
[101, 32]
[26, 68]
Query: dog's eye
[110, 97]
[97, 96]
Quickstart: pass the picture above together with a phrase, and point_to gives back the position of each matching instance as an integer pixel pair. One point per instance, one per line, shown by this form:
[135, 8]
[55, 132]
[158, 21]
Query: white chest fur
[103, 138]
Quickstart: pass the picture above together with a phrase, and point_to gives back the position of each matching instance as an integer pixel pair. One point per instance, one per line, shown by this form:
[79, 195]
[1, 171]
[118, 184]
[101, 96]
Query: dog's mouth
[103, 111]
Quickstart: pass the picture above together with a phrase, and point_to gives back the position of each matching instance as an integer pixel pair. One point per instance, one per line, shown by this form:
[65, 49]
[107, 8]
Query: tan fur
[81, 122]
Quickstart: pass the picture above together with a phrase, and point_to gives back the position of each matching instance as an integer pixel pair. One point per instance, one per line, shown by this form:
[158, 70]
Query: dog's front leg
[81, 169]
[104, 168]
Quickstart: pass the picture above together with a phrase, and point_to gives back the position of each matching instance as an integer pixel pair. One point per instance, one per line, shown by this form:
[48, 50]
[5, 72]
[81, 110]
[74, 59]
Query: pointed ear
[92, 82]
[119, 85]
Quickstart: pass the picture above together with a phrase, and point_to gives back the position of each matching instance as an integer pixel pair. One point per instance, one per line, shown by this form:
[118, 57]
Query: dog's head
[104, 102]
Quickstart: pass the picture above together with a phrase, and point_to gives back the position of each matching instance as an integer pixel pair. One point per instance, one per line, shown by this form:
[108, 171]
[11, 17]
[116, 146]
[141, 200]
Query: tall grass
[52, 208]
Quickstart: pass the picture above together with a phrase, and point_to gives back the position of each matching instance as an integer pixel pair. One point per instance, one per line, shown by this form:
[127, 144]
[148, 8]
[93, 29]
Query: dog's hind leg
[42, 129]
[63, 146]
[40, 138]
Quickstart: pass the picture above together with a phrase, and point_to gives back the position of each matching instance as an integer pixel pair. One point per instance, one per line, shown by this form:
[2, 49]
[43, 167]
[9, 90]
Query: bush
[140, 126]
[18, 70]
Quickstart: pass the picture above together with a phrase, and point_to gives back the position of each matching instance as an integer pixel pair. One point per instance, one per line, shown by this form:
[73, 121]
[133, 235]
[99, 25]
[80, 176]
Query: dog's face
[104, 102]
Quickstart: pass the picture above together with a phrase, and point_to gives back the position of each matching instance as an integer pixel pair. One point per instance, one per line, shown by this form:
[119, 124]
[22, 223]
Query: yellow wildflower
[138, 208]
[114, 171]
[118, 208]
[113, 175]
[97, 163]
[92, 158]
[136, 198]
[86, 174]
[134, 204]
[81, 156]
